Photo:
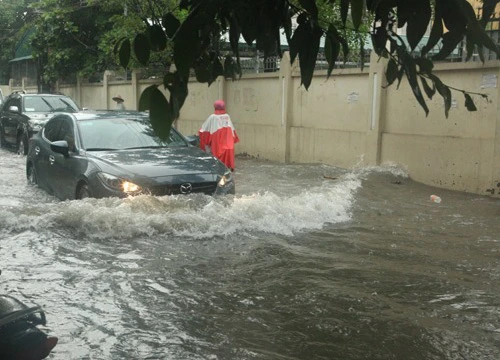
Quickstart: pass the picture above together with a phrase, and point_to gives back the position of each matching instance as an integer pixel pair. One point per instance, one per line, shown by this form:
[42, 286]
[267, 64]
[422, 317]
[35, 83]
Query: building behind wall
[23, 64]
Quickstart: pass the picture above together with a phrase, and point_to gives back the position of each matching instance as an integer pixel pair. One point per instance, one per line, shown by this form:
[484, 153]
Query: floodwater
[305, 262]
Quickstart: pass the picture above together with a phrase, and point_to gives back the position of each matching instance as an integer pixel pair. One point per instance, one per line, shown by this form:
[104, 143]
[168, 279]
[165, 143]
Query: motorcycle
[20, 338]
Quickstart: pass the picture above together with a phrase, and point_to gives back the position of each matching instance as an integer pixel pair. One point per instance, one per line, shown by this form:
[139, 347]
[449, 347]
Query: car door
[10, 120]
[42, 152]
[65, 171]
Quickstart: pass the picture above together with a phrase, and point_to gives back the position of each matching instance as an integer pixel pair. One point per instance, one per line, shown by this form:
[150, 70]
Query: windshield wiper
[100, 149]
[147, 147]
[50, 106]
[68, 106]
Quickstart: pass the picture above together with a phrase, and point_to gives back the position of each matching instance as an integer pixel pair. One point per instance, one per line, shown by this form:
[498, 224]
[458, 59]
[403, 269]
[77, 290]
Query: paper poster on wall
[352, 97]
[489, 81]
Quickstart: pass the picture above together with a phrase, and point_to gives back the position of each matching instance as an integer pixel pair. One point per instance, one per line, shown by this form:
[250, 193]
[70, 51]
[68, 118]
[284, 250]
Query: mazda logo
[186, 188]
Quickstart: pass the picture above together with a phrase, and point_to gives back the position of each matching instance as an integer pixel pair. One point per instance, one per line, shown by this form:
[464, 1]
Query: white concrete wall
[349, 119]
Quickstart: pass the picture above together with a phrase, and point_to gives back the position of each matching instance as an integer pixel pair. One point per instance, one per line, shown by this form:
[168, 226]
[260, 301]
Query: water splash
[195, 216]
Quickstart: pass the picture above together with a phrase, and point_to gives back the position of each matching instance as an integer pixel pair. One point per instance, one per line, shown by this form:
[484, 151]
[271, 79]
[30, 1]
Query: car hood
[155, 163]
[38, 118]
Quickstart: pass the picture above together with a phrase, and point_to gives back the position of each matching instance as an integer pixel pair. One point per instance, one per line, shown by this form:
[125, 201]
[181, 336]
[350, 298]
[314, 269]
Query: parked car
[22, 115]
[116, 153]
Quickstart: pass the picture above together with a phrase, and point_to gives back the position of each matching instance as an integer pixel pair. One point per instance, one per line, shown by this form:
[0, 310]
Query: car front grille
[175, 189]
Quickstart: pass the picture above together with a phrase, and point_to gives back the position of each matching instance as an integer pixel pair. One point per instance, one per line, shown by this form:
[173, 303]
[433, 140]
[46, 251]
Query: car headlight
[226, 178]
[117, 183]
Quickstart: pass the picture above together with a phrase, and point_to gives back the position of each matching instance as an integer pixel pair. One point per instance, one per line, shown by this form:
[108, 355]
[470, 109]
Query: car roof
[23, 94]
[108, 114]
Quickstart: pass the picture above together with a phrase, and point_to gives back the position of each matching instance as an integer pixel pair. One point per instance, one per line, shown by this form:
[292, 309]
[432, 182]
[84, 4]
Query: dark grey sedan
[110, 153]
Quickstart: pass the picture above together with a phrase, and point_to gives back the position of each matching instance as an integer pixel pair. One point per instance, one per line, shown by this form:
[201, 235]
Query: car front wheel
[83, 192]
[31, 175]
[22, 145]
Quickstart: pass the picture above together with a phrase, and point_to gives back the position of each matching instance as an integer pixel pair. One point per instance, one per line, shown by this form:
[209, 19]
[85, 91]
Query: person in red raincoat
[218, 136]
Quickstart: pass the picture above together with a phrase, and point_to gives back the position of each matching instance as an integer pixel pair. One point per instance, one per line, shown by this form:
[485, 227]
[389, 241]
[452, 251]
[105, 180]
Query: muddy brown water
[305, 262]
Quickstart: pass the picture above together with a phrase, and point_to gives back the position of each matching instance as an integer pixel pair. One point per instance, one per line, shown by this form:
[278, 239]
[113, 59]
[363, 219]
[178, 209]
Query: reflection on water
[305, 262]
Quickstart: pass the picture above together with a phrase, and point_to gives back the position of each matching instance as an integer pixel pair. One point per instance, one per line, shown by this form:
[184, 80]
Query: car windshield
[124, 134]
[49, 104]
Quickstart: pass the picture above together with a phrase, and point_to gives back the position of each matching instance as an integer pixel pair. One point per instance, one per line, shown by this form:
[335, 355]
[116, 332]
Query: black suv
[23, 115]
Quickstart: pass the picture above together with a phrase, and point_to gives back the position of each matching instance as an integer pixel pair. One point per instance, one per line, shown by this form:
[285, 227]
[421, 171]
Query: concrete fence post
[495, 189]
[285, 79]
[79, 90]
[378, 95]
[136, 88]
[105, 87]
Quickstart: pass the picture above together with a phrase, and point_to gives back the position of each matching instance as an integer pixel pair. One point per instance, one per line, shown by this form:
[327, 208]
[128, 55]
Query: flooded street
[305, 262]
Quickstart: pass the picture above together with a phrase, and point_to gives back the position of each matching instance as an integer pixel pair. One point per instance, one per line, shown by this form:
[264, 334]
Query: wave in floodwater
[282, 200]
[196, 216]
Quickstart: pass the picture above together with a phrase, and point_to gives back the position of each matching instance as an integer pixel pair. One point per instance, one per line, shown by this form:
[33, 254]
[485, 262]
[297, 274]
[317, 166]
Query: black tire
[83, 192]
[22, 144]
[31, 175]
[2, 139]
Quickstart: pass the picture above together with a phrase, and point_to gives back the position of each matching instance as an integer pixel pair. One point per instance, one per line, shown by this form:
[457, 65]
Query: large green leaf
[177, 87]
[419, 15]
[298, 39]
[234, 35]
[160, 114]
[204, 69]
[425, 65]
[332, 49]
[116, 48]
[475, 32]
[344, 10]
[445, 92]
[124, 53]
[379, 38]
[357, 10]
[229, 68]
[430, 91]
[308, 55]
[436, 30]
[157, 38]
[186, 46]
[171, 24]
[142, 49]
[178, 94]
[391, 74]
[145, 99]
[450, 42]
[310, 7]
[469, 103]
[217, 69]
[411, 74]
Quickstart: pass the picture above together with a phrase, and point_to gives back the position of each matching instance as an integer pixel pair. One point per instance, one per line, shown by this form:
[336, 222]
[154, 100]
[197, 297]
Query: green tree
[14, 15]
[67, 38]
[76, 37]
[196, 42]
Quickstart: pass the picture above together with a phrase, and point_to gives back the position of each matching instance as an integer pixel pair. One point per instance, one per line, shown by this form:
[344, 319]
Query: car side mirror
[14, 109]
[193, 140]
[60, 147]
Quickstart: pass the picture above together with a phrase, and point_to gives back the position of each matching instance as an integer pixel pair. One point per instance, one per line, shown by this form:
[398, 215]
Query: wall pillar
[285, 91]
[495, 172]
[79, 90]
[373, 146]
[105, 87]
[136, 90]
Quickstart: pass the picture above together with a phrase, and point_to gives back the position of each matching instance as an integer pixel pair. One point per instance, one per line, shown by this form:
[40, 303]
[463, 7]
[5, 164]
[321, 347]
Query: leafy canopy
[14, 17]
[196, 41]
